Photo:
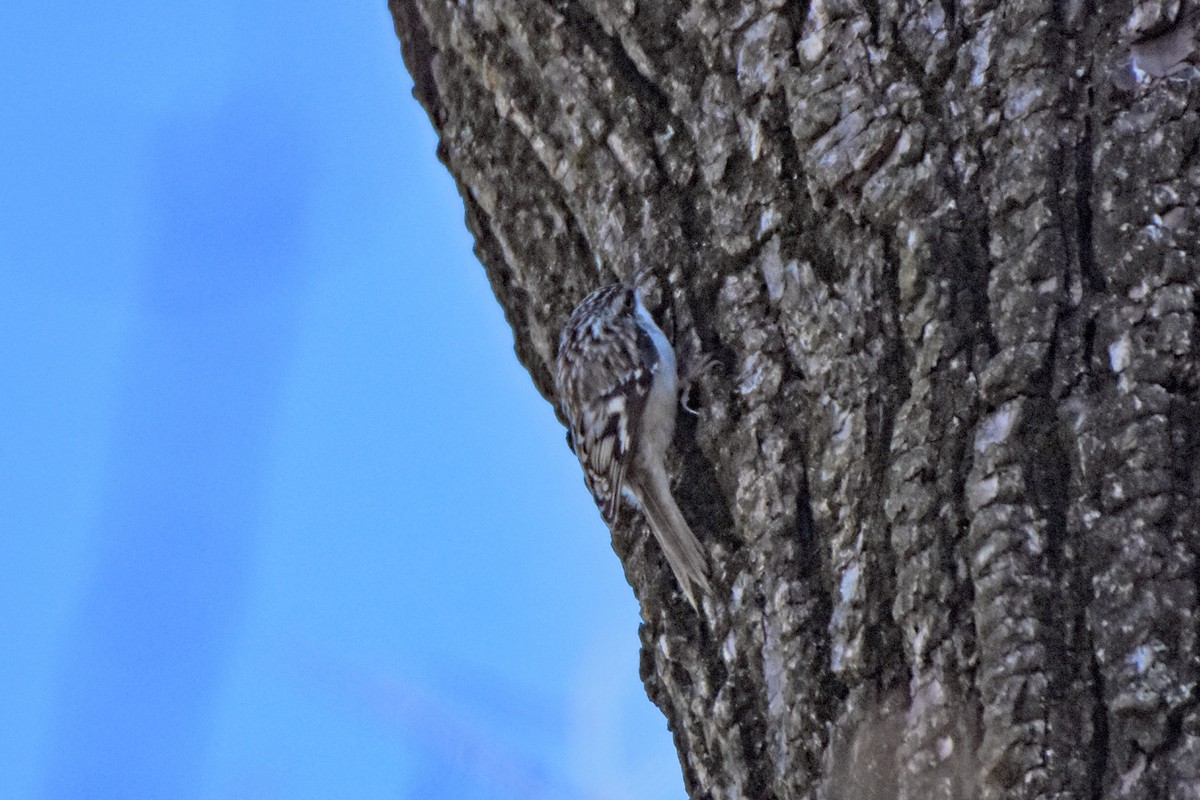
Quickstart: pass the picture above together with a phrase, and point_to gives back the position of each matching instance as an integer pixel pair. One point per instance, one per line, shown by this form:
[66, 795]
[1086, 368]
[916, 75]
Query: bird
[618, 387]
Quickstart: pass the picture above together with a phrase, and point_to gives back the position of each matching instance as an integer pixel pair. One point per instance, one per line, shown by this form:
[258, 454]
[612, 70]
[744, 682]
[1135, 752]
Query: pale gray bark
[945, 252]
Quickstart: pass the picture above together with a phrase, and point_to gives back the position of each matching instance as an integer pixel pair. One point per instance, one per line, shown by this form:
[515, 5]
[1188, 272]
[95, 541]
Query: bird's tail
[685, 554]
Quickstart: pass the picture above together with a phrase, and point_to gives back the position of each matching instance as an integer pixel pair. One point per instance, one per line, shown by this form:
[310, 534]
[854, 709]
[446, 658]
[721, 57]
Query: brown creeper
[619, 388]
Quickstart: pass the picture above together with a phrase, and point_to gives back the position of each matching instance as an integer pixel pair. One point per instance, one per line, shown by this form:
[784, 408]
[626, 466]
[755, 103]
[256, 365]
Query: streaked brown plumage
[619, 389]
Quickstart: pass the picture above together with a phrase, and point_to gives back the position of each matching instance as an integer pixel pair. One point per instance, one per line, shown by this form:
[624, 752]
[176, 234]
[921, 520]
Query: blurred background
[281, 516]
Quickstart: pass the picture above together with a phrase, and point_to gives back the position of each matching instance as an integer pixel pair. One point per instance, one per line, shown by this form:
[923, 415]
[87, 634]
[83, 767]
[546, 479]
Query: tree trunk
[945, 254]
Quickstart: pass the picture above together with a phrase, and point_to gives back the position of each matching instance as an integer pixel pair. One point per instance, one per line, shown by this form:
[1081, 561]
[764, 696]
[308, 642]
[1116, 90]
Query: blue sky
[283, 516]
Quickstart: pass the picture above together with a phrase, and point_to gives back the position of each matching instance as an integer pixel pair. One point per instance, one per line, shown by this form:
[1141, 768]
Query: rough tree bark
[945, 252]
